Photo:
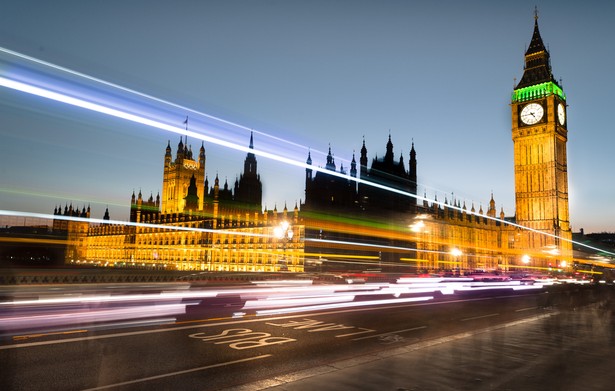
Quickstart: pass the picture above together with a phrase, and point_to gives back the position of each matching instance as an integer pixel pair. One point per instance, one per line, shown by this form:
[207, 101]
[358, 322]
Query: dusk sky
[315, 73]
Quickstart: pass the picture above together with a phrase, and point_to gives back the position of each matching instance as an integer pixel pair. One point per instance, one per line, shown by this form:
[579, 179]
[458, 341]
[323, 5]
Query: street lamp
[526, 260]
[284, 232]
[456, 253]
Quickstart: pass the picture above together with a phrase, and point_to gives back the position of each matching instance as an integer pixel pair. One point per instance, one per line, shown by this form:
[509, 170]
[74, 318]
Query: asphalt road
[567, 349]
[195, 353]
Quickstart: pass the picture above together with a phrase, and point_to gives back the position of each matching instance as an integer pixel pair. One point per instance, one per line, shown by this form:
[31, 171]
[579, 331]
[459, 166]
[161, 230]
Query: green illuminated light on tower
[537, 91]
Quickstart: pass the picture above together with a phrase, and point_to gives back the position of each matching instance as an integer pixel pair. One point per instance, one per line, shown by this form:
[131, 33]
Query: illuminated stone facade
[177, 176]
[540, 134]
[193, 227]
[189, 242]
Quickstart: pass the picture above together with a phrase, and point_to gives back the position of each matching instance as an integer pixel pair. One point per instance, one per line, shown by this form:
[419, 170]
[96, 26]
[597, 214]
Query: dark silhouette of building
[334, 193]
[338, 210]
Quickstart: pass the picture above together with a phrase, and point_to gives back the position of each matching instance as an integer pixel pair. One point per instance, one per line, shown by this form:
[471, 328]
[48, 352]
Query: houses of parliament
[350, 221]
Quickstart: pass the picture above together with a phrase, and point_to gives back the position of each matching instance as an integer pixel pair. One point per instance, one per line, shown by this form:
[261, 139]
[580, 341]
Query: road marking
[315, 326]
[178, 373]
[240, 339]
[479, 317]
[357, 333]
[230, 322]
[23, 337]
[526, 309]
[391, 338]
[390, 333]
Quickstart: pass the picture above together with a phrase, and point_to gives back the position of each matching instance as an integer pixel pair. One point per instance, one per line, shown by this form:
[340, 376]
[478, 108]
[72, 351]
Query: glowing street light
[418, 226]
[283, 232]
[456, 253]
[526, 259]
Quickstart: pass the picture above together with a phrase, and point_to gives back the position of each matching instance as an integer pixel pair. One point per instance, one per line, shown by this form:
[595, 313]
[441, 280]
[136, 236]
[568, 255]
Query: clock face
[561, 114]
[532, 113]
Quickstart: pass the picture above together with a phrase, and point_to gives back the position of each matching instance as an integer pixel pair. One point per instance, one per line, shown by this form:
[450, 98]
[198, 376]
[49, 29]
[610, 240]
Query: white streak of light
[68, 318]
[342, 305]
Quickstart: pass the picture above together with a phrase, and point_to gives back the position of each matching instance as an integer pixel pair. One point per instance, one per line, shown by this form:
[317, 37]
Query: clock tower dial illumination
[532, 113]
[561, 114]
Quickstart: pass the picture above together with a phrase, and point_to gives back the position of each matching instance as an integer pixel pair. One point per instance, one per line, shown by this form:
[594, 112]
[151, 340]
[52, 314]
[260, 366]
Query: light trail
[47, 216]
[352, 304]
[141, 119]
[96, 107]
[329, 258]
[186, 109]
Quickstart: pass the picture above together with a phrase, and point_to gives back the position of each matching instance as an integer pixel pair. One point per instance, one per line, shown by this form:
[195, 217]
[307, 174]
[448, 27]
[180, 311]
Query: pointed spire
[251, 139]
[330, 161]
[537, 61]
[202, 156]
[536, 44]
[353, 166]
[389, 153]
[363, 158]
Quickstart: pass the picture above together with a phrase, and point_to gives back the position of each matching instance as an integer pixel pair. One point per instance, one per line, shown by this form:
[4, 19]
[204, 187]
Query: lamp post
[418, 227]
[456, 253]
[283, 232]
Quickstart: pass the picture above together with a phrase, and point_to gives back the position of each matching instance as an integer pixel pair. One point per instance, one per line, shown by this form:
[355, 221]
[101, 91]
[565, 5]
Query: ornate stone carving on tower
[177, 176]
[539, 134]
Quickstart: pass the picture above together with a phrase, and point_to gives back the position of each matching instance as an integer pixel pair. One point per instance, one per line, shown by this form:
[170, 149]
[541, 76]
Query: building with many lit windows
[193, 227]
[345, 222]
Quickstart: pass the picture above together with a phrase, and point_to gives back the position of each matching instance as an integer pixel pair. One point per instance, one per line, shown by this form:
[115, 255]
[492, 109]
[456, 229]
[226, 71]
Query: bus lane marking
[316, 326]
[241, 338]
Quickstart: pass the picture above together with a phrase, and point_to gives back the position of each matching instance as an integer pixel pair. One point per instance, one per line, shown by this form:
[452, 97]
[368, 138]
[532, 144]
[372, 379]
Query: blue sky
[316, 73]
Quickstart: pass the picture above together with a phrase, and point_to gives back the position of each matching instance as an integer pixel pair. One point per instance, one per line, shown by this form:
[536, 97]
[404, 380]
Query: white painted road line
[178, 373]
[390, 333]
[479, 317]
[526, 309]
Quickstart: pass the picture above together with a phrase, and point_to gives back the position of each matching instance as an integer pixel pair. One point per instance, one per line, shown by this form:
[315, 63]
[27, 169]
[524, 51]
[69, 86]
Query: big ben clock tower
[539, 133]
